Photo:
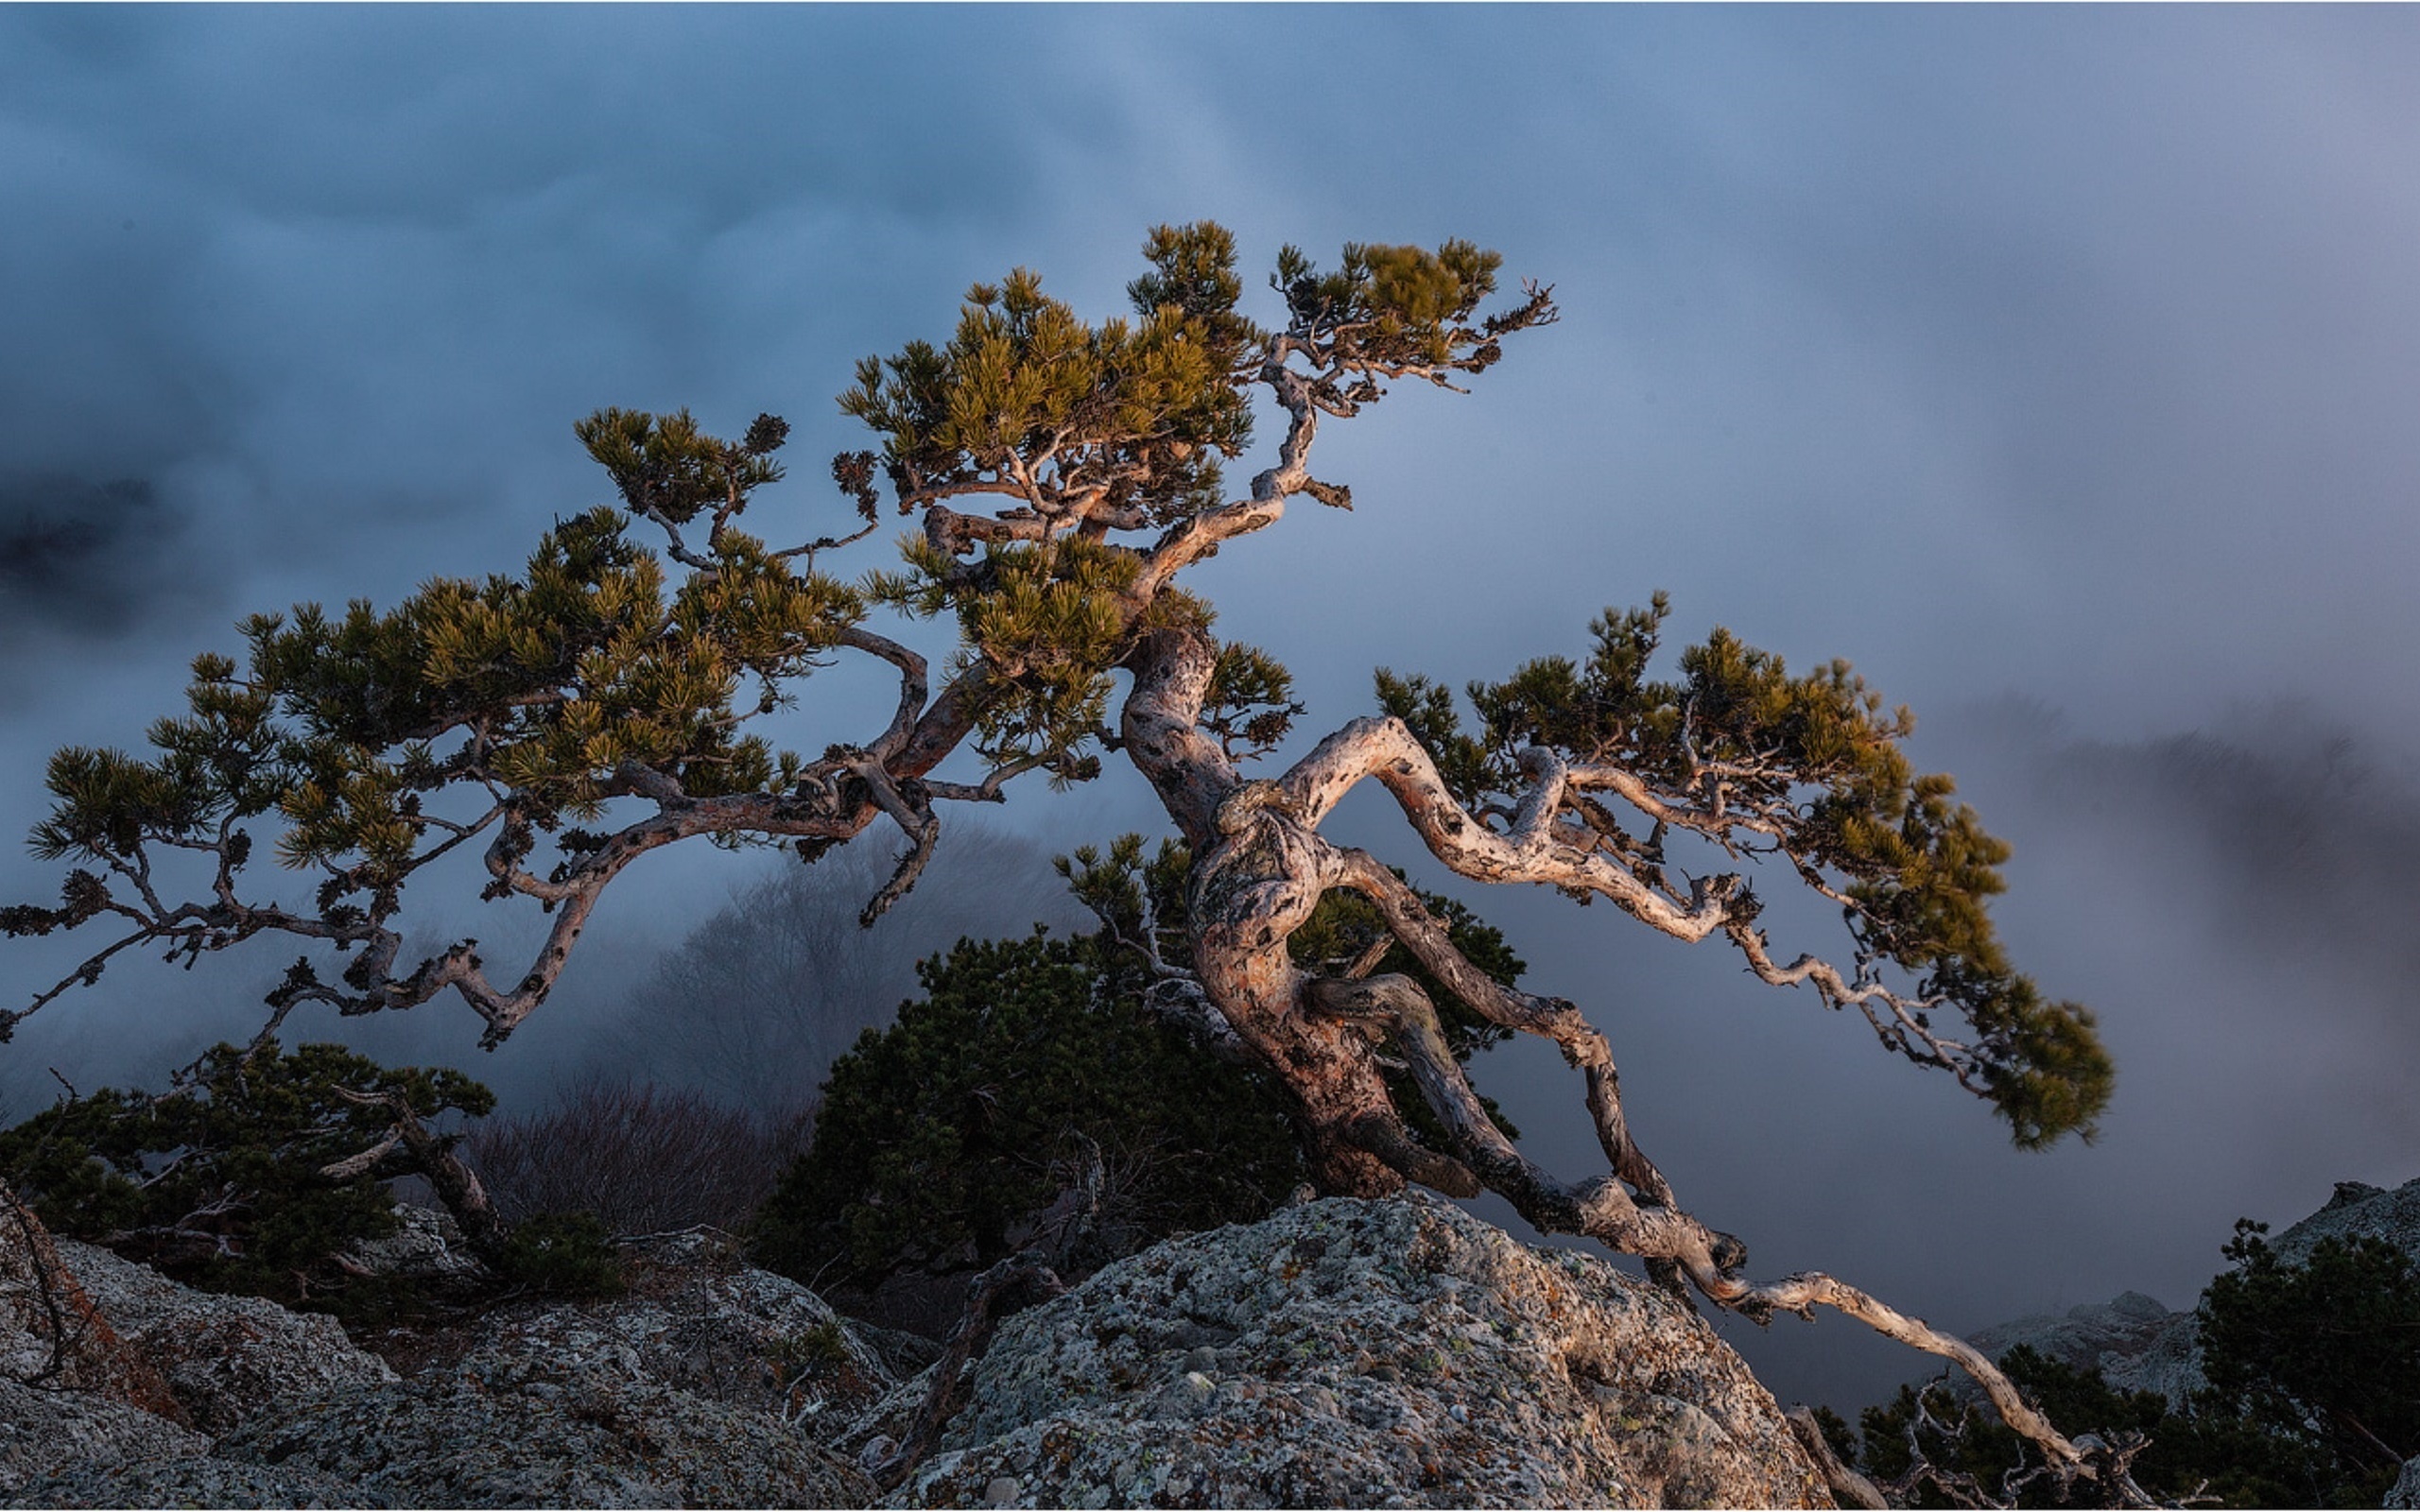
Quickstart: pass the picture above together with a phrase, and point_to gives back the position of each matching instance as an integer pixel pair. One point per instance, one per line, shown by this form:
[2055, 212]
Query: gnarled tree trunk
[1261, 865]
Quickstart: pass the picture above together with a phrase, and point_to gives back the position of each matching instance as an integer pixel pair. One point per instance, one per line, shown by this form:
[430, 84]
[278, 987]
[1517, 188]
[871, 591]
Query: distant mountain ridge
[2138, 1343]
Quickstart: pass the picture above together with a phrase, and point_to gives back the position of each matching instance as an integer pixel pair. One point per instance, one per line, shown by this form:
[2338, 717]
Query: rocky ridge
[1340, 1353]
[2138, 1344]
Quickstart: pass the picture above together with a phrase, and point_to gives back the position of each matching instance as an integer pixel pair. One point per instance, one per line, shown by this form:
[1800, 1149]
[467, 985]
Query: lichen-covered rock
[195, 1481]
[428, 1244]
[225, 1358]
[523, 1431]
[2356, 1210]
[697, 1317]
[2405, 1492]
[52, 1335]
[52, 1432]
[1361, 1353]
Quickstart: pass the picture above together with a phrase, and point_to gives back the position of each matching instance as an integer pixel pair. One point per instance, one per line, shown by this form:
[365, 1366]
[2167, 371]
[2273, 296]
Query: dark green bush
[220, 1183]
[941, 1139]
[563, 1254]
[2321, 1359]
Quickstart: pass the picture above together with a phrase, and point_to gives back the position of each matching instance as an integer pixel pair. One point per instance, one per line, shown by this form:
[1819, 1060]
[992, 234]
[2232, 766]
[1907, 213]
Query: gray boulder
[529, 1432]
[2405, 1492]
[428, 1244]
[699, 1318]
[1358, 1353]
[52, 1335]
[225, 1358]
[44, 1433]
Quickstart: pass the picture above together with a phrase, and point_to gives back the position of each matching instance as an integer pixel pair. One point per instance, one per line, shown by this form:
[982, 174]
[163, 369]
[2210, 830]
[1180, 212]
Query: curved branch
[1532, 848]
[913, 687]
[1383, 747]
[913, 813]
[1202, 534]
[1601, 1209]
[1549, 1018]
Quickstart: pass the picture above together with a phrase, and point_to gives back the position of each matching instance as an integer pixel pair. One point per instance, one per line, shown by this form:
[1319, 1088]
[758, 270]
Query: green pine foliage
[219, 1183]
[563, 1254]
[1396, 306]
[941, 1138]
[1046, 622]
[1813, 762]
[2320, 1358]
[1026, 396]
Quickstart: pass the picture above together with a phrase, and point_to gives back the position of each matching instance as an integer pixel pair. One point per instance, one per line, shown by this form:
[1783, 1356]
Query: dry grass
[645, 1159]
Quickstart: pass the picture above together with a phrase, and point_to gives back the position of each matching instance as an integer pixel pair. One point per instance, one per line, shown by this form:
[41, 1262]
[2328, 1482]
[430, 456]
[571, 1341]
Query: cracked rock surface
[1362, 1353]
[499, 1432]
[1339, 1353]
[226, 1359]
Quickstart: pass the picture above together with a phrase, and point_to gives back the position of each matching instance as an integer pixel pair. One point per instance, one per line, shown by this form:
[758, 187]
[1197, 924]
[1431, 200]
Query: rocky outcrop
[226, 1359]
[2358, 1209]
[59, 1432]
[428, 1244]
[1358, 1353]
[533, 1432]
[2090, 1337]
[2405, 1492]
[52, 1335]
[2134, 1342]
[1339, 1353]
[699, 1319]
[72, 1391]
[193, 1481]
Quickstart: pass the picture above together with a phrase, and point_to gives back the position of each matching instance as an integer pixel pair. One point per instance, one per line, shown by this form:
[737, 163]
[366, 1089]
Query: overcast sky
[2057, 366]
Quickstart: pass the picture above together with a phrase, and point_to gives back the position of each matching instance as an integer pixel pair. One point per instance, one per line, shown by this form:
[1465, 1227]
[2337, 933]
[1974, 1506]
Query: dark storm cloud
[331, 282]
[2282, 823]
[87, 555]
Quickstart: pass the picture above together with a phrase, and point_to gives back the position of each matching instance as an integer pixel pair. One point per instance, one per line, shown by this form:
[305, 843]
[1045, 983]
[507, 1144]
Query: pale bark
[455, 1184]
[1849, 1488]
[1260, 867]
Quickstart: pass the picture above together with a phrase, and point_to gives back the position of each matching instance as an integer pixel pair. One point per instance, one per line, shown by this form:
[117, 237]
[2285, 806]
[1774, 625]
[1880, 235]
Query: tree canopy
[560, 722]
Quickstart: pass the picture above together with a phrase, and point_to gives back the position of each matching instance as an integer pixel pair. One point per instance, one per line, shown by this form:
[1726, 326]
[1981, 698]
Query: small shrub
[643, 1158]
[942, 1140]
[221, 1184]
[565, 1254]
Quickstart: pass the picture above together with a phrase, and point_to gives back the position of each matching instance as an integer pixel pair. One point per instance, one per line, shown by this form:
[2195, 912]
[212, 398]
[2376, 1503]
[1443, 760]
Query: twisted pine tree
[562, 722]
